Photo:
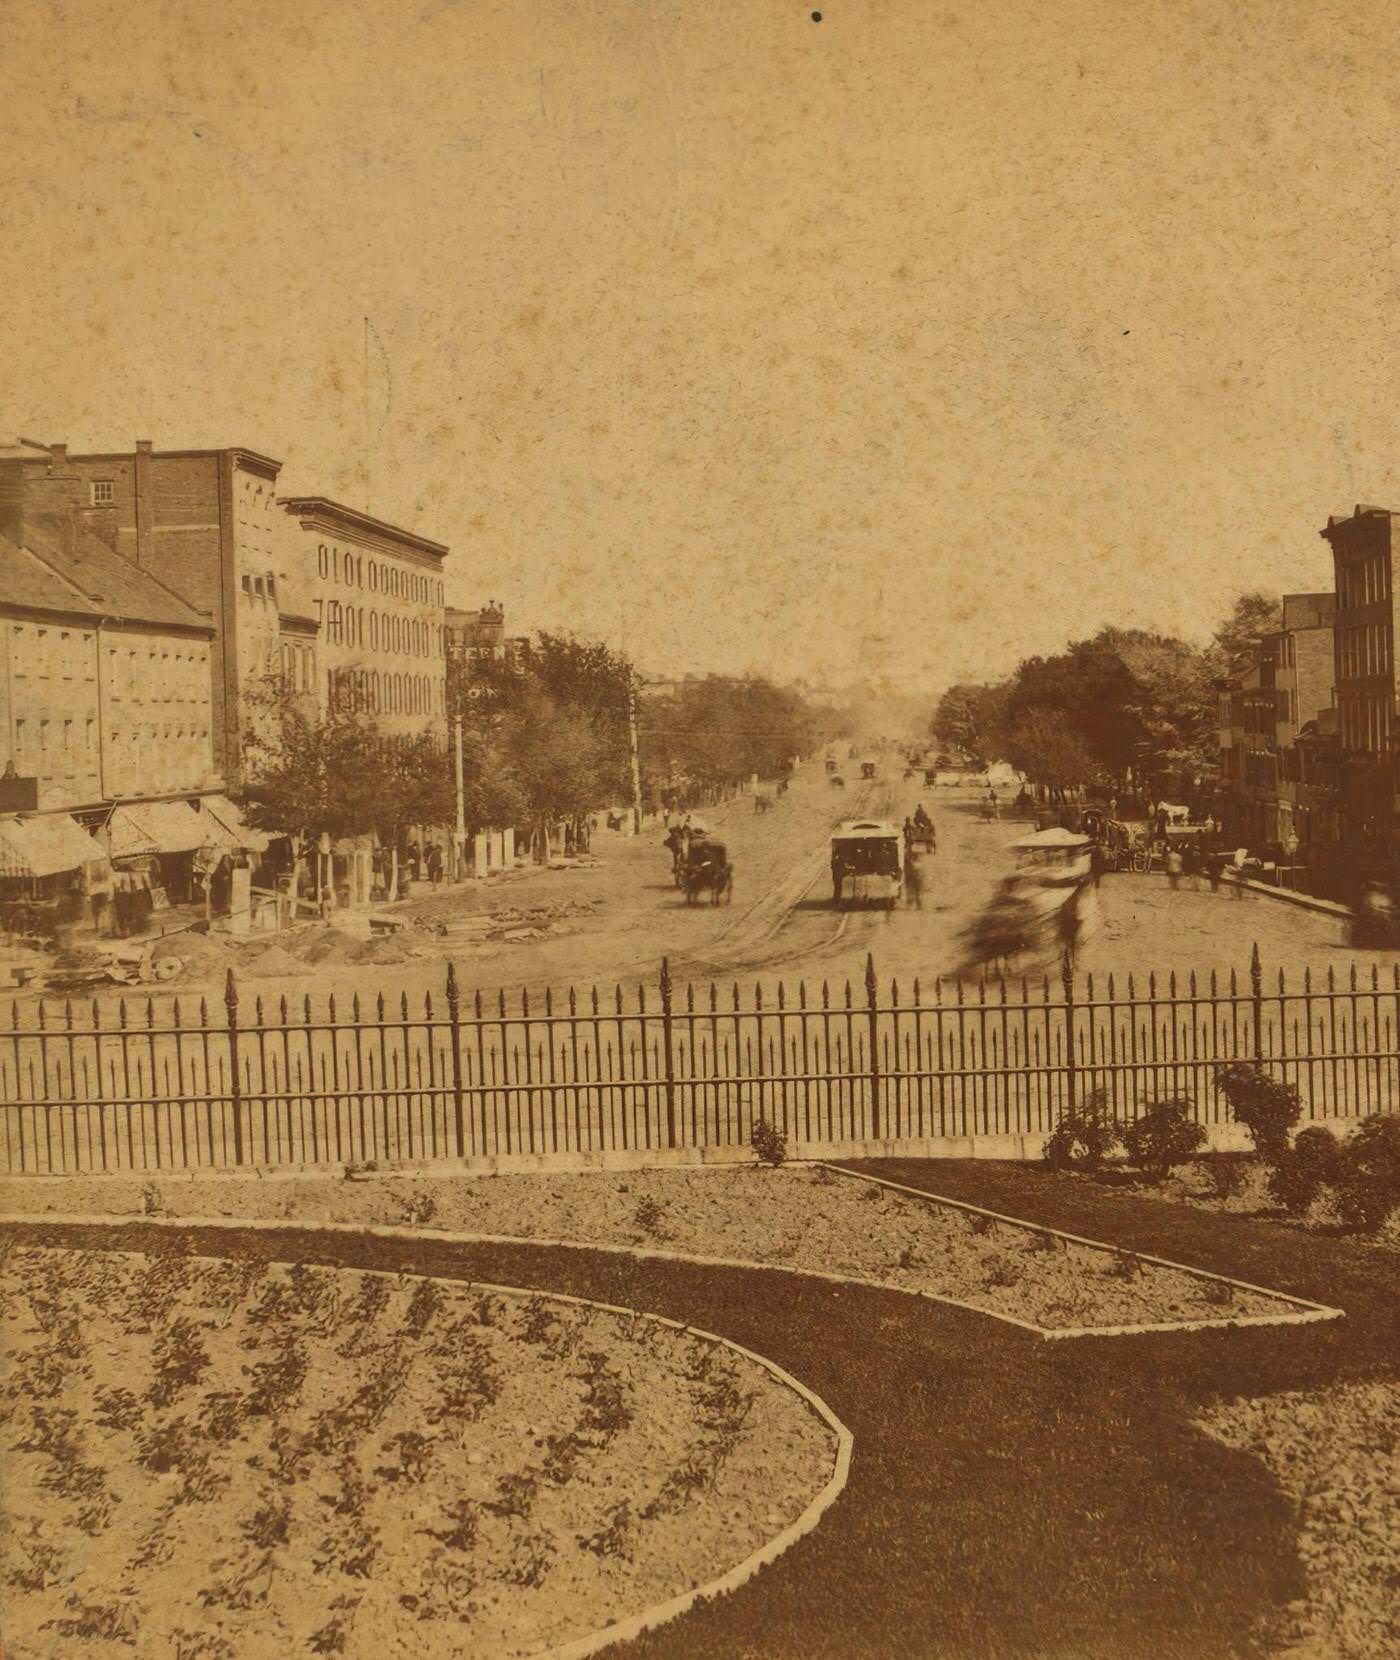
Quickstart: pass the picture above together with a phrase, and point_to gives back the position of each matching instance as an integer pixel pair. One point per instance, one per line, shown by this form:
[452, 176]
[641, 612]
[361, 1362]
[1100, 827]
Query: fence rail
[662, 1068]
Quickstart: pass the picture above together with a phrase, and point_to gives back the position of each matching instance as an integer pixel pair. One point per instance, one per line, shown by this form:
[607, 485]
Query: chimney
[141, 485]
[58, 457]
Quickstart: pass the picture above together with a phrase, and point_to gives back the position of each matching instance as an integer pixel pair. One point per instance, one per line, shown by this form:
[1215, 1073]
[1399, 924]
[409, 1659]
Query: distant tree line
[1127, 708]
[546, 739]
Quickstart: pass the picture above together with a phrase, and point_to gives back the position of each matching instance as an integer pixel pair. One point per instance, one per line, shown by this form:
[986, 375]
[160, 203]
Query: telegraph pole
[461, 798]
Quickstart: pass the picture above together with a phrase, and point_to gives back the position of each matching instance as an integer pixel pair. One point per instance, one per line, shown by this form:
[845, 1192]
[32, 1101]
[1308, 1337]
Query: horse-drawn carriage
[707, 870]
[866, 867]
[921, 835]
[831, 763]
[867, 769]
[836, 781]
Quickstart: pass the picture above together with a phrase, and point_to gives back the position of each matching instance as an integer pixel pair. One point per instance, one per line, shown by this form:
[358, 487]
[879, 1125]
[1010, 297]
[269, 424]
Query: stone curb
[656, 1614]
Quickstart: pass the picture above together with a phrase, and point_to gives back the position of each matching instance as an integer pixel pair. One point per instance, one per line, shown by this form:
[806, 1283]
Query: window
[374, 630]
[247, 584]
[333, 621]
[373, 577]
[322, 559]
[102, 492]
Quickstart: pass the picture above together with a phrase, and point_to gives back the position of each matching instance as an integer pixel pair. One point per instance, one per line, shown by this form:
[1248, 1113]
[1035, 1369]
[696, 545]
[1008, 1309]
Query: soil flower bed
[208, 1459]
[798, 1217]
[1333, 1452]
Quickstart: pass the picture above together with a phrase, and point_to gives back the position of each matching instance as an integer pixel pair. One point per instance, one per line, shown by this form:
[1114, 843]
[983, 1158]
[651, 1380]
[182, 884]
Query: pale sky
[962, 327]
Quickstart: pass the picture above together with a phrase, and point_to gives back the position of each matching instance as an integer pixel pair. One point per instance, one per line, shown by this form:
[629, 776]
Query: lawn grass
[1008, 1497]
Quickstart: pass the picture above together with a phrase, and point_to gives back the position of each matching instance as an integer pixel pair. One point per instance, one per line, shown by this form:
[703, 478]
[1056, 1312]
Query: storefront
[52, 875]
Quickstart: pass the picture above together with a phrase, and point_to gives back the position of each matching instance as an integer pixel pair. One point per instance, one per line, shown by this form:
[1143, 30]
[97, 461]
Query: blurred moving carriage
[707, 870]
[1039, 915]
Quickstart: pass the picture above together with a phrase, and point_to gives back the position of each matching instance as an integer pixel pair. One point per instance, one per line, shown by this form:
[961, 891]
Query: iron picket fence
[83, 1089]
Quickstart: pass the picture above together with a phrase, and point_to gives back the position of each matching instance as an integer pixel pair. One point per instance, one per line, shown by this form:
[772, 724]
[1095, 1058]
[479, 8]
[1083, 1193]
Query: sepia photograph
[699, 830]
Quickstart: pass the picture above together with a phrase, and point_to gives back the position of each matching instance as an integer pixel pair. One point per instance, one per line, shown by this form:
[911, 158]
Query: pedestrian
[434, 863]
[908, 835]
[415, 861]
[1096, 863]
[913, 881]
[1174, 864]
[1191, 863]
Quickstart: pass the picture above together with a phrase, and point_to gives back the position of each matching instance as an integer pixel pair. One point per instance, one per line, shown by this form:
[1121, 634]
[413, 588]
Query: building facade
[374, 595]
[1274, 791]
[480, 637]
[204, 523]
[105, 690]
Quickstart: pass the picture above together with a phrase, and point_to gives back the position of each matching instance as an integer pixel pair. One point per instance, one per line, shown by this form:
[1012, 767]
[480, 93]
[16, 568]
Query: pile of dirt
[274, 964]
[199, 953]
[328, 945]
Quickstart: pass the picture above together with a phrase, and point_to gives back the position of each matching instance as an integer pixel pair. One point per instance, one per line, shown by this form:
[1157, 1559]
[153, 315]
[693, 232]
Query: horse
[713, 874]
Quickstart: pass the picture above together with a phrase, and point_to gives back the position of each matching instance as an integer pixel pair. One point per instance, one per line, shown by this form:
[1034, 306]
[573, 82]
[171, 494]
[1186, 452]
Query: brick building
[329, 599]
[480, 636]
[1273, 788]
[105, 689]
[1365, 650]
[205, 524]
[374, 593]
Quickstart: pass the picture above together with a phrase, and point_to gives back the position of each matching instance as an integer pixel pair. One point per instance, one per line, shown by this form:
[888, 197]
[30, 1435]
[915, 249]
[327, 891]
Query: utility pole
[461, 838]
[632, 756]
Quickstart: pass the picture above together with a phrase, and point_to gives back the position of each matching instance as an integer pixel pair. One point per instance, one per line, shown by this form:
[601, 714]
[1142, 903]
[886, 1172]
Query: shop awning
[145, 827]
[222, 813]
[44, 846]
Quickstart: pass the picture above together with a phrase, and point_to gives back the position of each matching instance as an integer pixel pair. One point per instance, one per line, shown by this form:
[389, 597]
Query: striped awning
[144, 827]
[44, 846]
[222, 813]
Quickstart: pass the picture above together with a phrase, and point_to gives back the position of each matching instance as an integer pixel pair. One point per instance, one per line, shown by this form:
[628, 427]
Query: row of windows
[352, 625]
[298, 666]
[262, 587]
[350, 569]
[368, 692]
[1363, 650]
[1364, 583]
[45, 739]
[1366, 724]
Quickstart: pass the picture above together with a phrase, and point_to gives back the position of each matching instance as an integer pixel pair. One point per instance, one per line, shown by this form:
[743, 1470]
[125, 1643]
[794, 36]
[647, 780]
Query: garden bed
[1332, 1451]
[210, 1459]
[810, 1218]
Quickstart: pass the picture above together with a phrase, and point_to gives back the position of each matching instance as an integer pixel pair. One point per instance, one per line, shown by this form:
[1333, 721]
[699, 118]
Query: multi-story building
[1364, 657]
[297, 589]
[104, 673]
[374, 593]
[1278, 690]
[203, 522]
[480, 637]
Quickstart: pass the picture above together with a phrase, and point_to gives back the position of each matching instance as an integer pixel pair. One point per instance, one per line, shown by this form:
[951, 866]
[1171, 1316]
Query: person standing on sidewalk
[1172, 862]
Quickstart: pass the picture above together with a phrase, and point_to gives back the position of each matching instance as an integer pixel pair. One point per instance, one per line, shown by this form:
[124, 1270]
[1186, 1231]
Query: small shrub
[1299, 1173]
[611, 1540]
[423, 1307]
[650, 1217]
[1165, 1135]
[1043, 1241]
[151, 1202]
[1266, 1107]
[1003, 1273]
[769, 1143]
[461, 1534]
[1218, 1293]
[418, 1208]
[1084, 1136]
[1368, 1181]
[908, 1257]
[270, 1524]
[1226, 1176]
[1125, 1266]
[981, 1225]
